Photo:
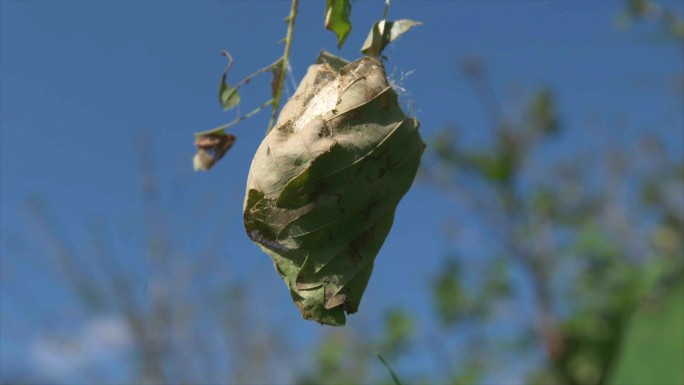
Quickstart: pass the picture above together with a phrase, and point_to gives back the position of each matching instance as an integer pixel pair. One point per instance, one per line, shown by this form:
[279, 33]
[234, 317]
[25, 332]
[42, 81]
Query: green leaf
[496, 167]
[228, 96]
[639, 8]
[325, 182]
[337, 19]
[213, 131]
[653, 349]
[383, 33]
[399, 327]
[448, 295]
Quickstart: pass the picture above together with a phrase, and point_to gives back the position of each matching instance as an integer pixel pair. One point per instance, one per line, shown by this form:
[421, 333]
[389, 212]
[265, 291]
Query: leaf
[653, 349]
[448, 295]
[399, 327]
[325, 182]
[337, 19]
[211, 146]
[383, 33]
[228, 96]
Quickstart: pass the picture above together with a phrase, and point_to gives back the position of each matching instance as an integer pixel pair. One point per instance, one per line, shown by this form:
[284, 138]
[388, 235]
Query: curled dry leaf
[385, 32]
[211, 148]
[325, 182]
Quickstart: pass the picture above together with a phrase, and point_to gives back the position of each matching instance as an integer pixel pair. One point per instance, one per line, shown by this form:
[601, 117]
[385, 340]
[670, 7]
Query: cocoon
[326, 180]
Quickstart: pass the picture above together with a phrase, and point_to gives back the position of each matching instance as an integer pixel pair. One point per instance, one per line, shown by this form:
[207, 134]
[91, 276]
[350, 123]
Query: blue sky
[79, 80]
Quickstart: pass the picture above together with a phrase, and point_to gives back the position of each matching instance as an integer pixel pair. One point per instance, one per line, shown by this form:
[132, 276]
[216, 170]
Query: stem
[230, 60]
[236, 120]
[389, 369]
[284, 60]
[249, 78]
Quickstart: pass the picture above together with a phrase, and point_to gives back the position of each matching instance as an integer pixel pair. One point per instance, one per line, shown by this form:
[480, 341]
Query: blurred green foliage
[564, 228]
[654, 341]
[652, 11]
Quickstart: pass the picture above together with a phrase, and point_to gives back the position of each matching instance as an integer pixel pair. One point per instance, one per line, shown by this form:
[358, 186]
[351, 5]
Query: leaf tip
[337, 19]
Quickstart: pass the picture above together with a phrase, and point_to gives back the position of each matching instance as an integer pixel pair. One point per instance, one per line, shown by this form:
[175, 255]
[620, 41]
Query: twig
[230, 61]
[384, 14]
[249, 78]
[389, 369]
[481, 82]
[283, 61]
[236, 120]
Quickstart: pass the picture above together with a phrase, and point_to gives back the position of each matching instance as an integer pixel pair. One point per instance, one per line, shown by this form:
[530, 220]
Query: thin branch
[389, 369]
[236, 120]
[479, 78]
[284, 60]
[249, 78]
[230, 61]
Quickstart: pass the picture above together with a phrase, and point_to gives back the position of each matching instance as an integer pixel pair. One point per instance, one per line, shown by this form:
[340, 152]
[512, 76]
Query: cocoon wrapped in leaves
[326, 180]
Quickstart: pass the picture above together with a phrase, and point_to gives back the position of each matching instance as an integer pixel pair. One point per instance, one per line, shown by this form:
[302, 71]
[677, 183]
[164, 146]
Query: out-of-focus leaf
[639, 8]
[592, 241]
[544, 202]
[340, 359]
[448, 294]
[444, 147]
[497, 283]
[325, 183]
[399, 327]
[647, 10]
[500, 164]
[337, 19]
[667, 240]
[676, 28]
[383, 33]
[330, 354]
[228, 96]
[591, 338]
[653, 349]
[211, 146]
[495, 167]
[543, 115]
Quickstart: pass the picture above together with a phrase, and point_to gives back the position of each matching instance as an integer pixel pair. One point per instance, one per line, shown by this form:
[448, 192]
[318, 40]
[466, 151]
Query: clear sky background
[79, 80]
